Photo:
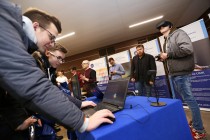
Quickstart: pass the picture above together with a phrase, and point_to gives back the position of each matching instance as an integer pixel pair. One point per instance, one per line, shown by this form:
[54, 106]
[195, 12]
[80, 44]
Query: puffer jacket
[180, 53]
[20, 76]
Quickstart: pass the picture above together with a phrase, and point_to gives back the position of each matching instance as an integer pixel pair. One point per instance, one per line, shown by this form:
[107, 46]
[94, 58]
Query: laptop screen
[116, 92]
[76, 87]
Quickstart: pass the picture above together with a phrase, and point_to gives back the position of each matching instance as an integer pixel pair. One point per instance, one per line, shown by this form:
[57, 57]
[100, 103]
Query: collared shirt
[118, 68]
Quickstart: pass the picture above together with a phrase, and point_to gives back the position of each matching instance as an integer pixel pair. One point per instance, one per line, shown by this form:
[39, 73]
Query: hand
[27, 123]
[82, 77]
[132, 80]
[163, 56]
[98, 118]
[113, 72]
[151, 83]
[87, 103]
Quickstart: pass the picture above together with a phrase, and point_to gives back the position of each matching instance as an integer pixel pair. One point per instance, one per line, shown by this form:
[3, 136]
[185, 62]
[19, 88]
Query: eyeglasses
[52, 37]
[59, 58]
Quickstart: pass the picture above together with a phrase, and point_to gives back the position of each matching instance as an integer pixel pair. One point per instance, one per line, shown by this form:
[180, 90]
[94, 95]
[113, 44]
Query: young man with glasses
[51, 36]
[48, 63]
[21, 77]
[179, 58]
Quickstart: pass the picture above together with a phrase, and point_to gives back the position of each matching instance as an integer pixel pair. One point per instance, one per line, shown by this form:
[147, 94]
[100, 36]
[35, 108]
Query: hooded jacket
[20, 76]
[180, 53]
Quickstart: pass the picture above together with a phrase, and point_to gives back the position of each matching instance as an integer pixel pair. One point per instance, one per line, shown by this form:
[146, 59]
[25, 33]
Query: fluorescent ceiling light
[146, 21]
[64, 36]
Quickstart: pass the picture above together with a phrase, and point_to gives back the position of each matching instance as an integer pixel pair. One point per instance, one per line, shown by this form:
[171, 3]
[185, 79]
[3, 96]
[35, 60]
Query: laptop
[76, 87]
[114, 97]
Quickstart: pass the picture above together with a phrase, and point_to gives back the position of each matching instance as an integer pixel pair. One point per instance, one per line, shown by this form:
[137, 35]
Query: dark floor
[205, 116]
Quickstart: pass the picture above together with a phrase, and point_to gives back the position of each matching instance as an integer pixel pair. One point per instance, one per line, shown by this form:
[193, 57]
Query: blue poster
[201, 87]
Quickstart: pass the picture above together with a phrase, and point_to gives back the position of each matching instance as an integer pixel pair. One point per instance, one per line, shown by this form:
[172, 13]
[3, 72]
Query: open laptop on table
[114, 97]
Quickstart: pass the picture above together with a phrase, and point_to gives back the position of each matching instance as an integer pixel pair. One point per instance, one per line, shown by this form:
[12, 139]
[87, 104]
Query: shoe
[198, 135]
[59, 137]
[190, 124]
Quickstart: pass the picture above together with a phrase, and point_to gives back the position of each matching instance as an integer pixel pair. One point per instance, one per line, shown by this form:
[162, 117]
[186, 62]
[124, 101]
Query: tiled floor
[205, 117]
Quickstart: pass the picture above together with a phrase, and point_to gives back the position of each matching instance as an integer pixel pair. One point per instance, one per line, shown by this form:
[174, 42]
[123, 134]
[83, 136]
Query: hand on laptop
[98, 118]
[87, 103]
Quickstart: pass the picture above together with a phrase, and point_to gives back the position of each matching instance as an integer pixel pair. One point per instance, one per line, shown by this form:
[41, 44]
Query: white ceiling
[99, 23]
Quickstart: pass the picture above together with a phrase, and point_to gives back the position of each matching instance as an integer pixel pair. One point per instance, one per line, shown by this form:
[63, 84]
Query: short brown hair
[36, 15]
[111, 59]
[73, 68]
[58, 47]
[139, 46]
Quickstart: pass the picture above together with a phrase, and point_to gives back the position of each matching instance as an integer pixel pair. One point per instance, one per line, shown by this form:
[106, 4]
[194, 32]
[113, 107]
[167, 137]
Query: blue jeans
[183, 86]
[141, 86]
[172, 88]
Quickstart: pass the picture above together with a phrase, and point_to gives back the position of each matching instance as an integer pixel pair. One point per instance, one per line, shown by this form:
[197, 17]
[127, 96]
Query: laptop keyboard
[102, 106]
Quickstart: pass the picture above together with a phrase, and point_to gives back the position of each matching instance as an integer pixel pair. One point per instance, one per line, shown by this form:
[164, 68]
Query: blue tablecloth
[144, 122]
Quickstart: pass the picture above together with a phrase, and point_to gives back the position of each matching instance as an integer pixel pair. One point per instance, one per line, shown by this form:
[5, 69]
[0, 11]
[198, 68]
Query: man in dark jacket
[179, 57]
[21, 77]
[140, 66]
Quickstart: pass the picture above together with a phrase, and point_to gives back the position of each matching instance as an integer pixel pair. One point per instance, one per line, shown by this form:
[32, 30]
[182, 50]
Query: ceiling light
[64, 36]
[146, 21]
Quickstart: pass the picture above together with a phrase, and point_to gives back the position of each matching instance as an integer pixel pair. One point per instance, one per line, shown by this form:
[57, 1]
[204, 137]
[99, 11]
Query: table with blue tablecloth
[140, 121]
